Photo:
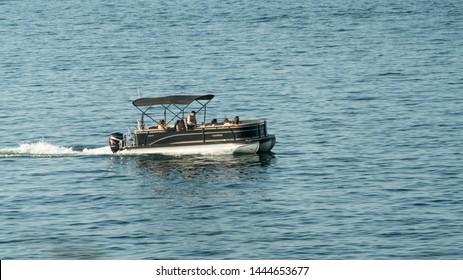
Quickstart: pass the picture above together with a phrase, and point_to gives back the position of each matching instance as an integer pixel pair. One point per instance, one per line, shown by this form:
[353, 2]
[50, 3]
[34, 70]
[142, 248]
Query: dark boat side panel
[219, 134]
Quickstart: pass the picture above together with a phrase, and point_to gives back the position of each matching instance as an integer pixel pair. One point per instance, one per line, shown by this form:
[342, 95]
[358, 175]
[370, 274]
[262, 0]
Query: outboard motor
[115, 141]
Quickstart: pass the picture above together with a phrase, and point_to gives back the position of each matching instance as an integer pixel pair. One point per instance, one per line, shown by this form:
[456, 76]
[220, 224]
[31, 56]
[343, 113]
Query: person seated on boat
[214, 122]
[237, 120]
[162, 125]
[191, 121]
[179, 125]
[226, 122]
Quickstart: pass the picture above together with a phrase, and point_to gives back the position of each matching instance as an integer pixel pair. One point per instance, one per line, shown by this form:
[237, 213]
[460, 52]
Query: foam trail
[97, 151]
[41, 148]
[45, 149]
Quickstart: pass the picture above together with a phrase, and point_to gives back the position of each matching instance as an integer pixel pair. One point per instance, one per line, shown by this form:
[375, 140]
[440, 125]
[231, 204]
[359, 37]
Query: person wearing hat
[191, 121]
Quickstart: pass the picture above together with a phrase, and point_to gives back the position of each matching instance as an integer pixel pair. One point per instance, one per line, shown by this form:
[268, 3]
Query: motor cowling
[115, 141]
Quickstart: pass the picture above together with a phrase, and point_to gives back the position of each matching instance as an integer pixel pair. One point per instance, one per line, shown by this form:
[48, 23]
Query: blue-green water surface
[365, 99]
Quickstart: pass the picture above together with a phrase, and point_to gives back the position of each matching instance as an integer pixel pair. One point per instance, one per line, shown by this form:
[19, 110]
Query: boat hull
[266, 144]
[225, 148]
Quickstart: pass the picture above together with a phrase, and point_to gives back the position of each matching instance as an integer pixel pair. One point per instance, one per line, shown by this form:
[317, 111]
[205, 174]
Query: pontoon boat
[174, 136]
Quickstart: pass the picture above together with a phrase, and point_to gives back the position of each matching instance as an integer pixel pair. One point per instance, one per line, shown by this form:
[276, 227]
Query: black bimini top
[174, 99]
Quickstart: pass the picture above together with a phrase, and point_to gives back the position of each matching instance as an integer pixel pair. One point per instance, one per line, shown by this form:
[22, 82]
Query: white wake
[44, 149]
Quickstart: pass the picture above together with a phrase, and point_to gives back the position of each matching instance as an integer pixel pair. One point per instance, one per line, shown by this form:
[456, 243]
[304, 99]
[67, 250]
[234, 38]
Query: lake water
[365, 99]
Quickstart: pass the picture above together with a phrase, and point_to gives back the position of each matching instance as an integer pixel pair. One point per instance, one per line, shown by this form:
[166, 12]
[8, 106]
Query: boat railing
[170, 128]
